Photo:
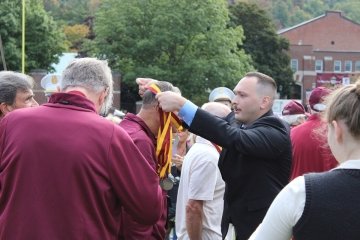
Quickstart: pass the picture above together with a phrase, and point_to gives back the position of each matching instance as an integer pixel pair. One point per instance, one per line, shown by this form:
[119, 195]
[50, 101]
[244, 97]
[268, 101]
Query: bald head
[216, 109]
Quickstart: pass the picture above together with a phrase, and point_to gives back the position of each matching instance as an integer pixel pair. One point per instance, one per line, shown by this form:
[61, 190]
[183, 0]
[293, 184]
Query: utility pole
[23, 38]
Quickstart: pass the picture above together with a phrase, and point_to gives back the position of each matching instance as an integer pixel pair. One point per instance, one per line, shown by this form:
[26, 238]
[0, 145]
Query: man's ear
[265, 102]
[5, 108]
[103, 96]
[156, 106]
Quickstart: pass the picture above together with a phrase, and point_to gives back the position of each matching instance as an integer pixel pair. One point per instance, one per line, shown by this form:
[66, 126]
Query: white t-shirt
[201, 180]
[287, 208]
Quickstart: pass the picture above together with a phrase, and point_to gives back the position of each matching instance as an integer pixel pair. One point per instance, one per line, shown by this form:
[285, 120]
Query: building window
[319, 65]
[348, 66]
[294, 65]
[357, 66]
[337, 66]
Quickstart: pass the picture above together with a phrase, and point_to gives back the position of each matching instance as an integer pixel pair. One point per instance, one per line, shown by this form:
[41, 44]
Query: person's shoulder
[137, 130]
[203, 152]
[306, 126]
[129, 126]
[118, 131]
[24, 114]
[272, 120]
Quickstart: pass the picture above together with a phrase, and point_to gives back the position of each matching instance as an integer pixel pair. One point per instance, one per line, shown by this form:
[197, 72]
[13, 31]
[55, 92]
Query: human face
[24, 99]
[247, 102]
[183, 135]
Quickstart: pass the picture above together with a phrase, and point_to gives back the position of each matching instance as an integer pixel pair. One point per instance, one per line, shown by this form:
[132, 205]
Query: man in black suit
[256, 158]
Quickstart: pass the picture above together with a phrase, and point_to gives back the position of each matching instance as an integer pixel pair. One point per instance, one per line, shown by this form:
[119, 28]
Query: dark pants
[247, 225]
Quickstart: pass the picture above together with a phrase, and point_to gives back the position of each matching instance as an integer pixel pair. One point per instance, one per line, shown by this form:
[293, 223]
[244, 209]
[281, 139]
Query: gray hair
[92, 74]
[149, 97]
[11, 83]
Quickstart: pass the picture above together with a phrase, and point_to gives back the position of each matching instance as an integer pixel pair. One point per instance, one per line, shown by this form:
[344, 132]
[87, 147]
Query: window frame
[321, 65]
[296, 62]
[357, 66]
[345, 66]
[335, 65]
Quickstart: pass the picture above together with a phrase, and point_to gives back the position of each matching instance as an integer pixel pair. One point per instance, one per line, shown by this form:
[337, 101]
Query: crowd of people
[229, 169]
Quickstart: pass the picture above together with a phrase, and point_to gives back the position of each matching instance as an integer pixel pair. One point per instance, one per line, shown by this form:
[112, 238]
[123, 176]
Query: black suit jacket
[255, 162]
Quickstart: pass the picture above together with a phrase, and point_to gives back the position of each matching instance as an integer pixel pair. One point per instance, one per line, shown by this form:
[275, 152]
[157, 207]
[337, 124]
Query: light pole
[23, 38]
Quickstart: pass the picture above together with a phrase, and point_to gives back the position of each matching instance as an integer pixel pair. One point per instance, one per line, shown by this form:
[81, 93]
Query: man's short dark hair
[11, 83]
[264, 82]
[263, 79]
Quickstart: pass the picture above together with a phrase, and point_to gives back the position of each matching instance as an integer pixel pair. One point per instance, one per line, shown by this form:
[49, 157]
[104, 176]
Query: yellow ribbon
[164, 138]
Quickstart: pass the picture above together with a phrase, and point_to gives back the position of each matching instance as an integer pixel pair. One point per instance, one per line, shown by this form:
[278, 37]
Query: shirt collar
[134, 118]
[349, 164]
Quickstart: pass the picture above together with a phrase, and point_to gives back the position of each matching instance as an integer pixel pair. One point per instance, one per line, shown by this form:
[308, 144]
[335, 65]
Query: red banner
[330, 79]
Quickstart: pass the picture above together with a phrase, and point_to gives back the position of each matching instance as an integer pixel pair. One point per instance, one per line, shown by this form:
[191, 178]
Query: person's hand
[178, 161]
[170, 101]
[143, 83]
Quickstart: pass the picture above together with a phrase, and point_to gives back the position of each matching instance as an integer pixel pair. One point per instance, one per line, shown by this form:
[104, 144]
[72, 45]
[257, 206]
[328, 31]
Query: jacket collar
[267, 114]
[133, 118]
[72, 100]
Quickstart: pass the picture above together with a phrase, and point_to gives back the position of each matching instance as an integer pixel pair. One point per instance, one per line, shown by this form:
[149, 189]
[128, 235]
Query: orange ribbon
[164, 138]
[218, 148]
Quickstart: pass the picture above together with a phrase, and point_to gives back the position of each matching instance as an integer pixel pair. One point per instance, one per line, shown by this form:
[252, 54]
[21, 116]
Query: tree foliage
[267, 49]
[75, 35]
[186, 42]
[44, 41]
[351, 9]
[287, 13]
[68, 11]
[76, 18]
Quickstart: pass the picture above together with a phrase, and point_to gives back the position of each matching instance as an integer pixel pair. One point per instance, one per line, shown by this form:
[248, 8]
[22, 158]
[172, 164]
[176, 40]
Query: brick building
[324, 51]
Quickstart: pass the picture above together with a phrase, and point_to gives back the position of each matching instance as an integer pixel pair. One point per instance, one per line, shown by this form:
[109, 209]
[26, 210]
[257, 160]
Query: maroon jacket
[310, 153]
[145, 140]
[65, 173]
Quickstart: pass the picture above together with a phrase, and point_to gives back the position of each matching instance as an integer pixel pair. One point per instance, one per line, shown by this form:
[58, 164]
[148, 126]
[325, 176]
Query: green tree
[186, 42]
[299, 15]
[281, 12]
[75, 35]
[267, 49]
[43, 38]
[68, 11]
[287, 13]
[9, 31]
[351, 9]
[314, 7]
